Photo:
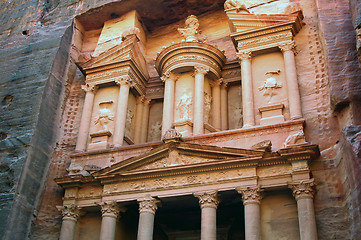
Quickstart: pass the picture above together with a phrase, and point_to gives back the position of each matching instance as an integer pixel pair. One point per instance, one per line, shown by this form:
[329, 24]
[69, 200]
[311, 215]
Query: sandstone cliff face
[40, 91]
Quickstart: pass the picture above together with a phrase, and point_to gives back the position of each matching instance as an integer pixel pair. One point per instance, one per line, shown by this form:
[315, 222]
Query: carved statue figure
[270, 85]
[237, 4]
[129, 120]
[190, 30]
[237, 116]
[207, 107]
[184, 107]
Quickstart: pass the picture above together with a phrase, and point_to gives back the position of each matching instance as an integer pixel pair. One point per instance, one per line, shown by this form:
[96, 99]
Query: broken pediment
[126, 53]
[179, 156]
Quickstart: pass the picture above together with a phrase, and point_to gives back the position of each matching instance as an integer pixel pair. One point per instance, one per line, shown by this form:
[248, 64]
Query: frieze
[249, 43]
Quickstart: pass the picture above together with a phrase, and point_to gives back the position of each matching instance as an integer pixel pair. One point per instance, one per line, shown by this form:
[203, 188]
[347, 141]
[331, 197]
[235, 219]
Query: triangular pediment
[128, 50]
[247, 22]
[177, 156]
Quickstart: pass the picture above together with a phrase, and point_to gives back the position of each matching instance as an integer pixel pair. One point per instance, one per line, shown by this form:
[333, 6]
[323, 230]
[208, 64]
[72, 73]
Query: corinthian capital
[216, 82]
[140, 99]
[125, 80]
[89, 87]
[287, 46]
[69, 212]
[250, 194]
[110, 209]
[168, 75]
[148, 204]
[208, 199]
[201, 69]
[245, 55]
[303, 189]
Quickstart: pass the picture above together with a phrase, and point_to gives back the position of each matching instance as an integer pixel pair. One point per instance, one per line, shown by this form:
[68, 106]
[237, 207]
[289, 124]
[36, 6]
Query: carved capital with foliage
[89, 87]
[208, 199]
[148, 205]
[250, 195]
[168, 75]
[69, 212]
[125, 80]
[287, 46]
[110, 209]
[200, 69]
[244, 56]
[303, 189]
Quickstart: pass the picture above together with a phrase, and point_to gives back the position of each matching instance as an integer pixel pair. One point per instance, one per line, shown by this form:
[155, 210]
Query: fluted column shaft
[169, 79]
[247, 89]
[145, 121]
[224, 106]
[303, 193]
[252, 213]
[208, 202]
[291, 77]
[85, 117]
[110, 213]
[147, 209]
[119, 129]
[138, 119]
[70, 218]
[216, 103]
[198, 124]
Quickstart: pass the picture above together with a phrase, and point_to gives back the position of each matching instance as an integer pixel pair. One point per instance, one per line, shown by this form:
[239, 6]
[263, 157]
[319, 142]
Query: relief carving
[104, 117]
[296, 138]
[155, 131]
[207, 107]
[184, 107]
[270, 85]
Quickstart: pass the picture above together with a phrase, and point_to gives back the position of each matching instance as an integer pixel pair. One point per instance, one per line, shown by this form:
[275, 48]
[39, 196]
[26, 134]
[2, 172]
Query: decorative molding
[69, 212]
[250, 195]
[148, 205]
[207, 199]
[110, 209]
[303, 189]
[130, 31]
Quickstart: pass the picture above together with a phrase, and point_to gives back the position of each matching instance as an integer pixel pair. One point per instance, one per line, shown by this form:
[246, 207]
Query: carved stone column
[169, 79]
[125, 83]
[209, 203]
[138, 119]
[303, 193]
[247, 89]
[70, 218]
[198, 126]
[216, 103]
[145, 121]
[224, 106]
[147, 209]
[291, 76]
[252, 213]
[81, 142]
[110, 213]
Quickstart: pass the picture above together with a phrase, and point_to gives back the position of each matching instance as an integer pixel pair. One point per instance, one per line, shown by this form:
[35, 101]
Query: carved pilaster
[69, 212]
[201, 69]
[303, 189]
[208, 199]
[110, 209]
[148, 204]
[125, 80]
[250, 195]
[288, 46]
[89, 87]
[245, 55]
